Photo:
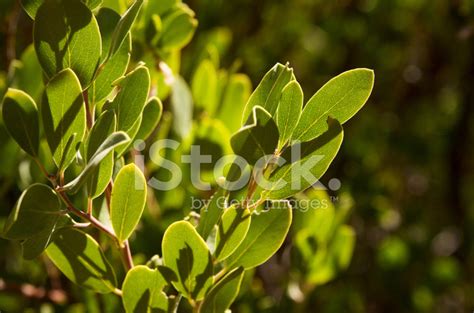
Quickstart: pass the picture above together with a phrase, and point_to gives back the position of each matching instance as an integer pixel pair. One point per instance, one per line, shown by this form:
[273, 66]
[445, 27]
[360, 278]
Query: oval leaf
[236, 94]
[204, 86]
[315, 157]
[37, 211]
[222, 294]
[181, 107]
[106, 148]
[127, 201]
[102, 129]
[124, 26]
[130, 101]
[80, 258]
[210, 214]
[232, 229]
[178, 28]
[186, 253]
[66, 35]
[116, 65]
[289, 110]
[265, 236]
[20, 116]
[268, 92]
[143, 291]
[340, 98]
[64, 117]
[258, 139]
[150, 118]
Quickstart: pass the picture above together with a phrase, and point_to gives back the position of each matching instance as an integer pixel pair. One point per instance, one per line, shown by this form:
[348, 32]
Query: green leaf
[117, 65]
[66, 35]
[181, 107]
[258, 139]
[204, 86]
[130, 101]
[315, 157]
[32, 6]
[266, 234]
[124, 26]
[268, 92]
[150, 118]
[222, 294]
[92, 4]
[79, 257]
[340, 98]
[106, 148]
[211, 214]
[143, 291]
[127, 201]
[64, 117]
[178, 28]
[32, 247]
[289, 110]
[186, 253]
[100, 177]
[28, 74]
[20, 117]
[132, 132]
[232, 229]
[330, 258]
[37, 211]
[237, 92]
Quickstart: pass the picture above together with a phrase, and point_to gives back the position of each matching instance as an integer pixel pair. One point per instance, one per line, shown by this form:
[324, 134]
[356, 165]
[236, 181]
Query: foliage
[90, 191]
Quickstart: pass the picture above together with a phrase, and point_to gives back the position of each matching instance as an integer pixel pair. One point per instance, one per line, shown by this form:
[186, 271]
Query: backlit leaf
[231, 232]
[79, 257]
[268, 92]
[124, 25]
[36, 211]
[315, 156]
[266, 234]
[289, 110]
[20, 116]
[64, 117]
[186, 253]
[66, 35]
[128, 200]
[143, 291]
[130, 101]
[222, 294]
[257, 139]
[340, 98]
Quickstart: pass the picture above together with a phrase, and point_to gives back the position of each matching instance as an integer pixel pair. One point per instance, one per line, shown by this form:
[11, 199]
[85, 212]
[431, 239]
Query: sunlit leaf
[266, 234]
[64, 117]
[80, 258]
[232, 229]
[66, 35]
[143, 291]
[340, 98]
[186, 253]
[222, 294]
[20, 116]
[257, 139]
[37, 211]
[268, 92]
[289, 110]
[128, 200]
[315, 156]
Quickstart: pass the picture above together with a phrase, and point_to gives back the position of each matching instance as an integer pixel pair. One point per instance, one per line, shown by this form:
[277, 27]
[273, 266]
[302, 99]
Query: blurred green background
[407, 160]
